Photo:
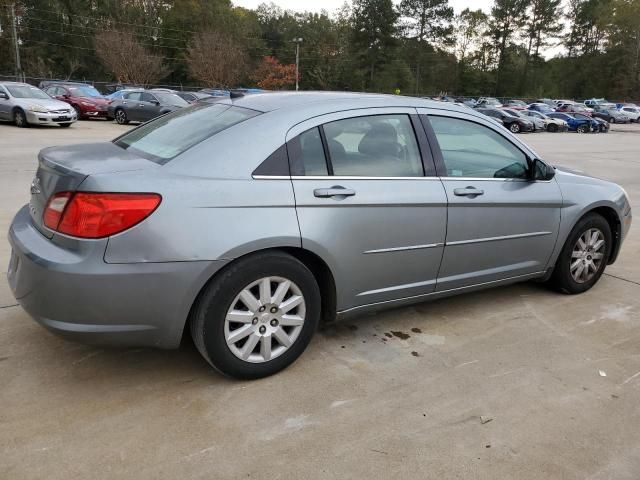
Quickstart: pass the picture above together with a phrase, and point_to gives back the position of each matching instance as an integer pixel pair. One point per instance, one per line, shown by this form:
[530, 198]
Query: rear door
[365, 204]
[500, 224]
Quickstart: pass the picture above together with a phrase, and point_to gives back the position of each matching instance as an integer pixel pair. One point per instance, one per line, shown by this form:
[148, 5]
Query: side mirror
[541, 171]
[4, 96]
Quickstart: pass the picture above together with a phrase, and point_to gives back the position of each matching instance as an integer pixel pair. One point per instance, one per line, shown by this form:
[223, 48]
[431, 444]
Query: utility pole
[297, 41]
[15, 42]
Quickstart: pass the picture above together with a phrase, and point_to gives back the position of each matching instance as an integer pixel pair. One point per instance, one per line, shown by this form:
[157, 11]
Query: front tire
[553, 128]
[514, 128]
[257, 316]
[20, 118]
[121, 117]
[584, 256]
[582, 129]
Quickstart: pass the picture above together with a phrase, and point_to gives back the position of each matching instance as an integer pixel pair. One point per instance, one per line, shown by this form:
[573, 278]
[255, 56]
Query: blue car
[580, 125]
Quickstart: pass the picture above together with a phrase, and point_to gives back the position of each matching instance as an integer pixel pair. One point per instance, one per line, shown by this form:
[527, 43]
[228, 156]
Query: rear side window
[375, 146]
[312, 153]
[172, 134]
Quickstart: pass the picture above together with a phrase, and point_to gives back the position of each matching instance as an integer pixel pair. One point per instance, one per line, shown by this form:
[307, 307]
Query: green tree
[373, 38]
[507, 18]
[426, 20]
[542, 22]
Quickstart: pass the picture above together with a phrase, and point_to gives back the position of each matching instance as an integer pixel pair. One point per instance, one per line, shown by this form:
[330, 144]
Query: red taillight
[98, 215]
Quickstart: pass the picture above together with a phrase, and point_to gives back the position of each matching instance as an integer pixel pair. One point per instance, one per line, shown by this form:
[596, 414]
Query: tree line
[414, 46]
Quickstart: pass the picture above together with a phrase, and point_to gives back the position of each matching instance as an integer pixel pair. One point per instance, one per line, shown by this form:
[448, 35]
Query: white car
[632, 112]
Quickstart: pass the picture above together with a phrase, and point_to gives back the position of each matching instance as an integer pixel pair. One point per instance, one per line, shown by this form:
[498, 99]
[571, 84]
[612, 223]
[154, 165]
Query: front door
[501, 224]
[366, 206]
[5, 105]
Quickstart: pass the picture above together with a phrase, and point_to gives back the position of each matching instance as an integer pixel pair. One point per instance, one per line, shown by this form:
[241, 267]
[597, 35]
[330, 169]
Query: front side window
[473, 150]
[170, 135]
[375, 146]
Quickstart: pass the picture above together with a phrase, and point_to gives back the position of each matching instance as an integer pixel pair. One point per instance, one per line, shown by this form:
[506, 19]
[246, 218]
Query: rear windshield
[172, 134]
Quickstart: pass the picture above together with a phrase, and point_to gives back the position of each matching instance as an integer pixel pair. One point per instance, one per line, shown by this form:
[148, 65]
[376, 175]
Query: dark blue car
[579, 125]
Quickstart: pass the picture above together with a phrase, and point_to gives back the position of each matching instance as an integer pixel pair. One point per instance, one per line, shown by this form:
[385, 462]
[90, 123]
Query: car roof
[271, 101]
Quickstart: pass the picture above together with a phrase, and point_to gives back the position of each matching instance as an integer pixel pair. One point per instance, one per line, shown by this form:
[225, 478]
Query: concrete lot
[358, 404]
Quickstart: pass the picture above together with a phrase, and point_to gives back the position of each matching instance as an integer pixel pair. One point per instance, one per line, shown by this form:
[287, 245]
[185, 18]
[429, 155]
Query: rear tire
[553, 128]
[514, 128]
[577, 269]
[247, 339]
[20, 118]
[582, 129]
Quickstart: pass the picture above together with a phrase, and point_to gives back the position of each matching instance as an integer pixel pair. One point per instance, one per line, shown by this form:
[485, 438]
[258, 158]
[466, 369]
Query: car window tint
[135, 96]
[473, 150]
[312, 153]
[147, 97]
[170, 135]
[376, 146]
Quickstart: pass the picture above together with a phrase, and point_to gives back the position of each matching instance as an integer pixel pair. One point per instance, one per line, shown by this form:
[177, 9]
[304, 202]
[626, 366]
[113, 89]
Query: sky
[331, 5]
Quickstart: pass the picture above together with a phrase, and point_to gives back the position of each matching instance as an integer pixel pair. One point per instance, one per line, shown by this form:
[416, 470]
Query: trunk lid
[63, 169]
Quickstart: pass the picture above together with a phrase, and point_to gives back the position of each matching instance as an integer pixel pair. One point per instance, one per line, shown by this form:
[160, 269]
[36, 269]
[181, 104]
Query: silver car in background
[249, 220]
[25, 105]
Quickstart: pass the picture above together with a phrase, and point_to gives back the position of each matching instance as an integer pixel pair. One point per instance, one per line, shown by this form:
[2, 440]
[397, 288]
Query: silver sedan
[25, 105]
[248, 221]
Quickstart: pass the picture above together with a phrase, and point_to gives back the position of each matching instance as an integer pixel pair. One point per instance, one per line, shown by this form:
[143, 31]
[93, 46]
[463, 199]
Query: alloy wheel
[20, 119]
[121, 117]
[587, 255]
[515, 128]
[265, 319]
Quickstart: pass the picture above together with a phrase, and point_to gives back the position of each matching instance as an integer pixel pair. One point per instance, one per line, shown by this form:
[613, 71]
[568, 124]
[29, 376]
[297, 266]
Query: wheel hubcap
[265, 319]
[587, 255]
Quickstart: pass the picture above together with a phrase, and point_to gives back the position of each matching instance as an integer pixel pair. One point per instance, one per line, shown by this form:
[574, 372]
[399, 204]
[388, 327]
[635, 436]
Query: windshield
[170, 135]
[24, 91]
[87, 91]
[170, 99]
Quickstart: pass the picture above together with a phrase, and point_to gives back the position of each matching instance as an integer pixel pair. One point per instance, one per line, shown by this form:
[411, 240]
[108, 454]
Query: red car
[85, 99]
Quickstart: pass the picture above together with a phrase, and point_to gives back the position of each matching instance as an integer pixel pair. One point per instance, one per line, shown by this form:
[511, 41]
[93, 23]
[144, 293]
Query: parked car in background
[547, 101]
[488, 102]
[609, 113]
[632, 112]
[603, 125]
[515, 124]
[515, 105]
[215, 92]
[85, 99]
[119, 93]
[25, 105]
[538, 124]
[192, 97]
[551, 124]
[579, 125]
[595, 102]
[144, 105]
[234, 241]
[573, 108]
[541, 107]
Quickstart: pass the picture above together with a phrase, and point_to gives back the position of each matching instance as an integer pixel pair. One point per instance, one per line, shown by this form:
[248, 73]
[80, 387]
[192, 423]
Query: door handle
[141, 105]
[468, 192]
[335, 191]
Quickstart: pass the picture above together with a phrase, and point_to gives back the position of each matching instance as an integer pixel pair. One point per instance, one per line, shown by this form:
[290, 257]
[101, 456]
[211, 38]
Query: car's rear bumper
[75, 294]
[35, 118]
